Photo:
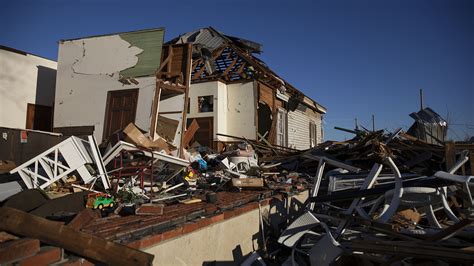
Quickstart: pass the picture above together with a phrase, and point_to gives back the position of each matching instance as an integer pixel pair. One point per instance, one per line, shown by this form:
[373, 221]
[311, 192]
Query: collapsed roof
[217, 56]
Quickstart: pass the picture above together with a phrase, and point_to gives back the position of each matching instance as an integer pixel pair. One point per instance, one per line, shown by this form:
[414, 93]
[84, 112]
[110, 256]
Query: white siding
[298, 129]
[24, 79]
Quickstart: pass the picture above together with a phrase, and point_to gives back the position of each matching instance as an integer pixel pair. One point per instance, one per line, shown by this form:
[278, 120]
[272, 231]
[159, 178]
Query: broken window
[206, 104]
[312, 134]
[264, 119]
[281, 128]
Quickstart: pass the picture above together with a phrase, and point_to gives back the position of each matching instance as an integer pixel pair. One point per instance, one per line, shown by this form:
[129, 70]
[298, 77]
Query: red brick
[217, 218]
[4, 236]
[248, 207]
[172, 233]
[46, 256]
[146, 242]
[150, 209]
[190, 227]
[203, 222]
[18, 249]
[83, 218]
[229, 214]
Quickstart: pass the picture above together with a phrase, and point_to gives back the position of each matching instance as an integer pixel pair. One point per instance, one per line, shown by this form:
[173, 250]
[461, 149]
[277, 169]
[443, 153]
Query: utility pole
[356, 124]
[421, 99]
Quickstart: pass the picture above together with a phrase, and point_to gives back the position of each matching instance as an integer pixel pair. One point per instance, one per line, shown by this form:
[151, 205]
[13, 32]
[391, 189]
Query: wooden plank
[189, 134]
[166, 127]
[89, 246]
[450, 154]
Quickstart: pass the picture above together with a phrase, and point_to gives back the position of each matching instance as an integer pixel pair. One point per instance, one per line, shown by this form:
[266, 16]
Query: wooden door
[39, 117]
[205, 134]
[121, 110]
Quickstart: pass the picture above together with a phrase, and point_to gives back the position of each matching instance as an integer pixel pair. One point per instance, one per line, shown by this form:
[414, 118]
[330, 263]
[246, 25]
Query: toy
[100, 201]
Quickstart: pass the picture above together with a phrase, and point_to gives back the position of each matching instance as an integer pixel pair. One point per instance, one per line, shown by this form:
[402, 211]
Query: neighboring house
[105, 82]
[27, 85]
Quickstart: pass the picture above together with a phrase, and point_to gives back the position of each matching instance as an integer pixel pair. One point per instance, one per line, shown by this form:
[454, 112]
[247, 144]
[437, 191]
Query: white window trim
[284, 127]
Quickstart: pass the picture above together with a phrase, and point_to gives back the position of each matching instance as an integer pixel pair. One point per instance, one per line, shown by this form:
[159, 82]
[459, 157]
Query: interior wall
[241, 110]
[214, 89]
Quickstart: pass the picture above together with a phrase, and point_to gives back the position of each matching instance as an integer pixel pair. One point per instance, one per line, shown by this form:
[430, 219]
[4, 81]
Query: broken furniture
[60, 161]
[146, 166]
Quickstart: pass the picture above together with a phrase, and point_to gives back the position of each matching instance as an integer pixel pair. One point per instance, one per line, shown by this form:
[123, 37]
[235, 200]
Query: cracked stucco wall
[24, 79]
[87, 70]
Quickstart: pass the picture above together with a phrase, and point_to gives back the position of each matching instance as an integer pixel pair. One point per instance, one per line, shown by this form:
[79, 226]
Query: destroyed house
[105, 82]
[429, 126]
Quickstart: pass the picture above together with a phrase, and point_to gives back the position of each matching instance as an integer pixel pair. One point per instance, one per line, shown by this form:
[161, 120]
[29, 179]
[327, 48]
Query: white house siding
[298, 129]
[24, 79]
[85, 75]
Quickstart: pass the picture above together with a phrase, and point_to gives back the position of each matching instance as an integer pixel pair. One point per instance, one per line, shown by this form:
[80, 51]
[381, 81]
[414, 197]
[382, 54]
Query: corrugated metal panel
[204, 37]
[151, 43]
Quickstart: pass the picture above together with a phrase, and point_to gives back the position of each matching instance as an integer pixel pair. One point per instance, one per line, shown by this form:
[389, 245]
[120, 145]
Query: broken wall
[241, 110]
[91, 67]
[24, 78]
[233, 108]
[216, 90]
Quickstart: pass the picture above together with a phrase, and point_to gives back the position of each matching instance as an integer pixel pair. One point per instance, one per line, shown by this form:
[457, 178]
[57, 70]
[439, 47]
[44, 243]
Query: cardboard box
[135, 136]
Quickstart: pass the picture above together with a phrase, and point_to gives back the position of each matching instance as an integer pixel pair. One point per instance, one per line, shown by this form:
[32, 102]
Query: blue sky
[356, 58]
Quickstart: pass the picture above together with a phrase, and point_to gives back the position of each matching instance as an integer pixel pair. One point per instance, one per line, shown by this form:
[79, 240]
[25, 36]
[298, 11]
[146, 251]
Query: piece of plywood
[189, 134]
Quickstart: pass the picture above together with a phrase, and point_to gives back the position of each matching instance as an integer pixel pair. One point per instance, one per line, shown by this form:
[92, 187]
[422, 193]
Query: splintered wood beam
[241, 68]
[89, 246]
[196, 63]
[176, 88]
[230, 67]
[229, 55]
[198, 74]
[218, 52]
[163, 64]
[154, 115]
[170, 55]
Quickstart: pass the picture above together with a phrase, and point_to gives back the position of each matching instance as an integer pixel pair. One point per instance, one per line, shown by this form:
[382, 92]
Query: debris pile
[380, 199]
[377, 198]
